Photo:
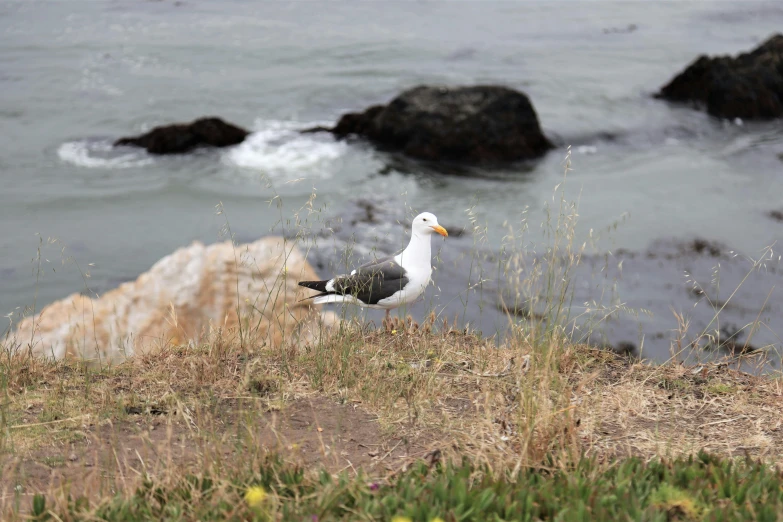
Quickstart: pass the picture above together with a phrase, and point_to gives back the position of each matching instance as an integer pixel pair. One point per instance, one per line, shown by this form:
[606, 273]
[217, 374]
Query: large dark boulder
[749, 86]
[479, 124]
[184, 137]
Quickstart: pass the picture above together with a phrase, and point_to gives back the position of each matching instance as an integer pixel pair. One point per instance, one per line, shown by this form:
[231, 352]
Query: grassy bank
[412, 420]
[697, 488]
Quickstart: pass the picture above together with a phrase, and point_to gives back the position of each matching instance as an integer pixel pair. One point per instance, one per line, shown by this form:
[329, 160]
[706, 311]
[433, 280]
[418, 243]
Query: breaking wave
[279, 150]
[101, 154]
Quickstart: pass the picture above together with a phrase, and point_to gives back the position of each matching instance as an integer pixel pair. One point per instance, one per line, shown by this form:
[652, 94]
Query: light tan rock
[184, 297]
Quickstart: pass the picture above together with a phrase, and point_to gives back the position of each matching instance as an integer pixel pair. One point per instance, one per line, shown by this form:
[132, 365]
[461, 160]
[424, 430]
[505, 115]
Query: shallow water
[75, 75]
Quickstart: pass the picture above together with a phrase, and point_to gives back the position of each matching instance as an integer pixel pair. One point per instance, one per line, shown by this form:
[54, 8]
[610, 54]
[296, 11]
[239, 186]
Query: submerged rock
[182, 298]
[749, 86]
[184, 137]
[478, 124]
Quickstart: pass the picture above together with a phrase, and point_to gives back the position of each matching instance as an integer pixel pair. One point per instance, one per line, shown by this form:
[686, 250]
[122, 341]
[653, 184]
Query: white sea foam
[277, 149]
[587, 149]
[101, 154]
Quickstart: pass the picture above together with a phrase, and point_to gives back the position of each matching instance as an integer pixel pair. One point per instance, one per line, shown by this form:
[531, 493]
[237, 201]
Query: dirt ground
[673, 410]
[316, 432]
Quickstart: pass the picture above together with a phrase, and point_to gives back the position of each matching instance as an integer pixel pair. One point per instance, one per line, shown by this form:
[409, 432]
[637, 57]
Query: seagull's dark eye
[425, 219]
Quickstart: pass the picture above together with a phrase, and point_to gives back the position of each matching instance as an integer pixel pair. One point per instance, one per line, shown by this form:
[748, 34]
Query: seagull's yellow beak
[440, 230]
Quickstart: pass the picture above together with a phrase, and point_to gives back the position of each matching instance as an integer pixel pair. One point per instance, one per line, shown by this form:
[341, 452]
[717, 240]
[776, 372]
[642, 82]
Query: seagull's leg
[388, 314]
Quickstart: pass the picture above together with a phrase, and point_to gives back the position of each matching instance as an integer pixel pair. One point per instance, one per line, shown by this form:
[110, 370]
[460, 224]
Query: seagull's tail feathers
[315, 285]
[334, 298]
[327, 294]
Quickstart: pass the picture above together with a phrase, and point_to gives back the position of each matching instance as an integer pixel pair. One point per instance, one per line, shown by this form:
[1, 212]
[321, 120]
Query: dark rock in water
[621, 30]
[705, 246]
[777, 215]
[626, 348]
[184, 137]
[479, 124]
[728, 339]
[360, 123]
[678, 248]
[749, 86]
[370, 210]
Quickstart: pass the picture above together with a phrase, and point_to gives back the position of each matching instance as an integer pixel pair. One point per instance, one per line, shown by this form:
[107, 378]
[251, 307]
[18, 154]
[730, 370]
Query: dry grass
[371, 399]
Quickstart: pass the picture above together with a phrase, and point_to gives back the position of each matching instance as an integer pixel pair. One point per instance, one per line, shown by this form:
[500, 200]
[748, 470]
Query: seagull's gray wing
[372, 281]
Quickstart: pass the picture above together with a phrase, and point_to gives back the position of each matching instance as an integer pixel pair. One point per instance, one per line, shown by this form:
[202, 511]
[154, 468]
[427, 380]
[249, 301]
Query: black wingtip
[312, 297]
[320, 286]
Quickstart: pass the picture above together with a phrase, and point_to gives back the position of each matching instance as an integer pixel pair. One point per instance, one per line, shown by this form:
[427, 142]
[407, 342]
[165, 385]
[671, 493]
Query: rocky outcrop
[183, 298]
[749, 86]
[184, 137]
[479, 124]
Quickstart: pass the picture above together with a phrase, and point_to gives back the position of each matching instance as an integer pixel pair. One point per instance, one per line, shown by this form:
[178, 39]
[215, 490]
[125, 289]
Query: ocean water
[75, 75]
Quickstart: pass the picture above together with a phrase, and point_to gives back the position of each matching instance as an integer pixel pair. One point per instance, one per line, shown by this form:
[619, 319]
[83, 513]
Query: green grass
[721, 389]
[56, 461]
[697, 488]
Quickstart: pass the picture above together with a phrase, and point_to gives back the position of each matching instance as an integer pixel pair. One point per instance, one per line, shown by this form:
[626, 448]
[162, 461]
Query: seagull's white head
[425, 224]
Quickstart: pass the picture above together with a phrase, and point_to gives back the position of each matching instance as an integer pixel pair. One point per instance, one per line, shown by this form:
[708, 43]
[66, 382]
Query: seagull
[386, 283]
